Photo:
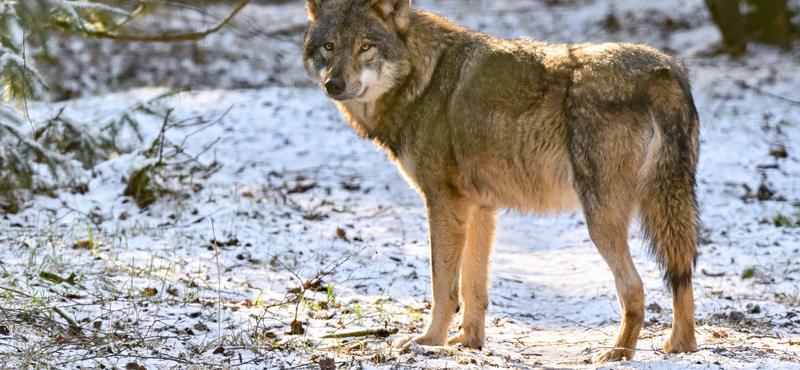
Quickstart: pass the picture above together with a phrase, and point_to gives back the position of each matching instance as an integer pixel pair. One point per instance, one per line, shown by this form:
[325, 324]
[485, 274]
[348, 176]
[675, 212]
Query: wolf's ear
[395, 10]
[313, 8]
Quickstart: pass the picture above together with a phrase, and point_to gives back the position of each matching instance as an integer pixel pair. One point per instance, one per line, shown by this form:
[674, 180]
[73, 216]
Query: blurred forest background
[102, 46]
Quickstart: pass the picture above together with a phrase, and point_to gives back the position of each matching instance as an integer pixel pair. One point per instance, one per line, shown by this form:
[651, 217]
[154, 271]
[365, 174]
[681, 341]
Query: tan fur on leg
[448, 217]
[475, 278]
[682, 338]
[610, 236]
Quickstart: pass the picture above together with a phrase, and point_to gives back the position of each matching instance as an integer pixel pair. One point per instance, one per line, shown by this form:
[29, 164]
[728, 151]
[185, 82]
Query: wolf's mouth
[364, 92]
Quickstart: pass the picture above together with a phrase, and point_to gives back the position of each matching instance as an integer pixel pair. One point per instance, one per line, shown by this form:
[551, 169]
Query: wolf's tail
[668, 203]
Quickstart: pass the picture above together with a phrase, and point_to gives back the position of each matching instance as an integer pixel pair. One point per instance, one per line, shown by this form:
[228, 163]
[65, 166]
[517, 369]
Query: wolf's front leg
[448, 217]
[475, 278]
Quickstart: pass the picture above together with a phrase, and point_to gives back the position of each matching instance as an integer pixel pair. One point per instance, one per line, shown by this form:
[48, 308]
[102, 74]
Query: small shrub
[140, 187]
[57, 153]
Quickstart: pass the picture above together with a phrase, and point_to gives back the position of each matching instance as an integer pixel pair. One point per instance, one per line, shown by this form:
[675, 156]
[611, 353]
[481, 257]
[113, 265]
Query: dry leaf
[719, 334]
[326, 364]
[297, 328]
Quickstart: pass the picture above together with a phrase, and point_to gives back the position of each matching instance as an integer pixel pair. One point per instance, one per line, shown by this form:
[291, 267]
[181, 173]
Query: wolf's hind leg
[610, 235]
[475, 278]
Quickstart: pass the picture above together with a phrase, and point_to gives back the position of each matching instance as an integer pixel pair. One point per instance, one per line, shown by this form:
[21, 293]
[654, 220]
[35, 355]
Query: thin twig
[218, 120]
[158, 305]
[15, 291]
[72, 324]
[11, 85]
[163, 130]
[759, 91]
[581, 325]
[135, 13]
[219, 283]
[305, 285]
[25, 98]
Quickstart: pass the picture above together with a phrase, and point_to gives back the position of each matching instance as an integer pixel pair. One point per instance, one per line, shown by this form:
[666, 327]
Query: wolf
[477, 123]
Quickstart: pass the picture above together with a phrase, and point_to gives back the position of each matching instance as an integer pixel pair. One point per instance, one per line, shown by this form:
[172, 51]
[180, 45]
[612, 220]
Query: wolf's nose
[334, 86]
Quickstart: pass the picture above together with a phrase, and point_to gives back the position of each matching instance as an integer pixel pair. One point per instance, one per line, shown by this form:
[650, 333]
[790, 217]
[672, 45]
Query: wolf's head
[355, 48]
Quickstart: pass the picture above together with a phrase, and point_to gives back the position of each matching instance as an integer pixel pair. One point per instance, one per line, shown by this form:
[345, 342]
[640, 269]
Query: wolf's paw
[613, 354]
[419, 339]
[678, 345]
[469, 341]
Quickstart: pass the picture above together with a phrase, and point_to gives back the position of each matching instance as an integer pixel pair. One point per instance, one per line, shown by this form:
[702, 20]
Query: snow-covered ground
[294, 197]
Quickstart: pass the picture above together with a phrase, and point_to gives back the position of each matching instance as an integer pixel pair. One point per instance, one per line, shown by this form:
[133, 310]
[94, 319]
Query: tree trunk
[770, 22]
[729, 20]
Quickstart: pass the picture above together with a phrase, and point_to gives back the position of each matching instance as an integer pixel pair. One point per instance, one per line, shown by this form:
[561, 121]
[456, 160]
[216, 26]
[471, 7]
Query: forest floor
[278, 233]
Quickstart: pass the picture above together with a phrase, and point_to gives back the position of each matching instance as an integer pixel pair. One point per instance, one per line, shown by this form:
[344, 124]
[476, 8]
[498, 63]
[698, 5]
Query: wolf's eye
[328, 46]
[365, 47]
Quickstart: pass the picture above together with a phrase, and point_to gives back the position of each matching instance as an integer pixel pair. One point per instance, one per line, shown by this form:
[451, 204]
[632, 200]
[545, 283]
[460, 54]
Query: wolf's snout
[334, 86]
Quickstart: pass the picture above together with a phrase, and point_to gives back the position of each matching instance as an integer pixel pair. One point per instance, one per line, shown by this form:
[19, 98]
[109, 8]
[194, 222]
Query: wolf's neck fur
[427, 39]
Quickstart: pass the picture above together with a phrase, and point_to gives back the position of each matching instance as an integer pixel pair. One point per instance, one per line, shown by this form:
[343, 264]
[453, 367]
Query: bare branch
[379, 332]
[168, 37]
[759, 91]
